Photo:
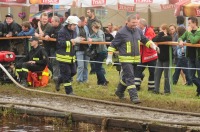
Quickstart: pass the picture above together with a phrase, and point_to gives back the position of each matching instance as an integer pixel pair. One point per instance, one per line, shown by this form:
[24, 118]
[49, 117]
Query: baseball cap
[34, 39]
[9, 15]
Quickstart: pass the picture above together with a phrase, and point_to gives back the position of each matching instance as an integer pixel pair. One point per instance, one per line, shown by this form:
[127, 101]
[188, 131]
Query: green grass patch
[182, 97]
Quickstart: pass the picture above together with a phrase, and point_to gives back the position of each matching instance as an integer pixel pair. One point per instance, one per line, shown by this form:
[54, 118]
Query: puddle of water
[8, 125]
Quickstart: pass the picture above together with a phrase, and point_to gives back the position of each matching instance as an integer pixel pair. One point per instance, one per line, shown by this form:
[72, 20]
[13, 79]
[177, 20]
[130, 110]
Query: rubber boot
[134, 96]
[69, 90]
[24, 83]
[57, 82]
[120, 91]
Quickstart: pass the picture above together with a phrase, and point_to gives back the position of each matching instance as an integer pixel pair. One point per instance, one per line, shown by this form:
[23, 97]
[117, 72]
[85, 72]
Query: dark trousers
[31, 67]
[5, 45]
[195, 63]
[50, 48]
[139, 71]
[128, 74]
[182, 62]
[67, 71]
[98, 68]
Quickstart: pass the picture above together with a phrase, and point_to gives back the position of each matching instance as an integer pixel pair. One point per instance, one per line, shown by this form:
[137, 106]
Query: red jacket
[148, 54]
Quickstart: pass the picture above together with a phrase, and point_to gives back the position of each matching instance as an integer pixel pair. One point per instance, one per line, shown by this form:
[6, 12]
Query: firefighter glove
[109, 59]
[155, 47]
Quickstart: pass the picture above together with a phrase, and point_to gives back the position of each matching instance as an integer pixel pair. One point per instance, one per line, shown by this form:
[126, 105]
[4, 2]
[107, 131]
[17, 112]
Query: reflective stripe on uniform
[45, 73]
[111, 49]
[151, 84]
[130, 59]
[65, 58]
[68, 48]
[138, 79]
[18, 70]
[131, 86]
[148, 43]
[67, 84]
[24, 69]
[128, 47]
[139, 44]
[29, 83]
[36, 59]
[123, 83]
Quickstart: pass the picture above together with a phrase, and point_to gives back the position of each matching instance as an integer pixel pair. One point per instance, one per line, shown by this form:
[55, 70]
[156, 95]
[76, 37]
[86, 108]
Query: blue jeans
[98, 68]
[82, 66]
[182, 62]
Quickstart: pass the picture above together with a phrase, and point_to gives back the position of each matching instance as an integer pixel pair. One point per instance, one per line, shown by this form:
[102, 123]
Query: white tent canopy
[128, 5]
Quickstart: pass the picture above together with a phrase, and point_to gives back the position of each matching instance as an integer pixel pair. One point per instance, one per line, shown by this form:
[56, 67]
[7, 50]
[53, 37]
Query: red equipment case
[7, 56]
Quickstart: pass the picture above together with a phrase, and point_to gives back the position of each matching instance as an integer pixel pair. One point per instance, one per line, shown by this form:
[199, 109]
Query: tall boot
[24, 83]
[120, 91]
[57, 82]
[134, 96]
[69, 90]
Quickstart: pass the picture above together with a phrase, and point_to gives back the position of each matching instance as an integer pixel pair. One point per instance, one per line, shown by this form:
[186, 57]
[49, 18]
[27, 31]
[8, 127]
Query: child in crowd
[163, 59]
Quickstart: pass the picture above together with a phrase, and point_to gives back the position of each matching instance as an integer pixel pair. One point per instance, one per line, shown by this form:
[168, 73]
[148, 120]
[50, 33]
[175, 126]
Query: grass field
[182, 98]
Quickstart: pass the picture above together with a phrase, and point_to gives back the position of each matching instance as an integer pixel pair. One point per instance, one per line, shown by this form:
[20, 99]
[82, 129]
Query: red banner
[98, 2]
[14, 1]
[126, 8]
[167, 6]
[143, 1]
[49, 1]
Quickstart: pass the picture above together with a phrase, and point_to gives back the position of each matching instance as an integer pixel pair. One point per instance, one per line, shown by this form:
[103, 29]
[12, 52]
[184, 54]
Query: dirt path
[93, 108]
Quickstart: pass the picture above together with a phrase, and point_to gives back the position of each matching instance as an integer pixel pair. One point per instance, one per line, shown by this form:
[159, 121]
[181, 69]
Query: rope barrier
[89, 61]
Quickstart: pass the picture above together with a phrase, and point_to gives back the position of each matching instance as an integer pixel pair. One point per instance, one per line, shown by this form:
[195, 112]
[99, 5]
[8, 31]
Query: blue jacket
[65, 50]
[30, 32]
[127, 41]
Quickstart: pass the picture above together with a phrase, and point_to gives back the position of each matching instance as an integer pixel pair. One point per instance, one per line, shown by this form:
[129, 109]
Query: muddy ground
[86, 107]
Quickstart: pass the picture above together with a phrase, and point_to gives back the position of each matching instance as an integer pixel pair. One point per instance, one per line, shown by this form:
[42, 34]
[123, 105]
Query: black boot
[134, 96]
[24, 83]
[69, 90]
[57, 82]
[120, 91]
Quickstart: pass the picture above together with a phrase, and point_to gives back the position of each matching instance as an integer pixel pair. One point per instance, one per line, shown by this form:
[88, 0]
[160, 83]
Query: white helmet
[72, 20]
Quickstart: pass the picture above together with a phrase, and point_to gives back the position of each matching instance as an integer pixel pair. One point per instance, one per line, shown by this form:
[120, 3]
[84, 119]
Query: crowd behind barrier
[171, 43]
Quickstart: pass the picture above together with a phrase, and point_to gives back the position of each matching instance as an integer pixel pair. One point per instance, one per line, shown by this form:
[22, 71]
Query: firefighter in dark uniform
[127, 41]
[65, 53]
[35, 60]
